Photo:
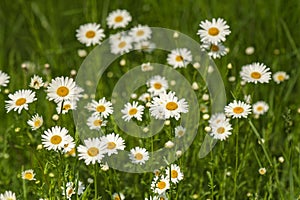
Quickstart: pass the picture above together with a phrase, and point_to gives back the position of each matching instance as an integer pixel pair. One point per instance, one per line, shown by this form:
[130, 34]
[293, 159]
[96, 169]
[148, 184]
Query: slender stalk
[95, 181]
[236, 159]
[24, 187]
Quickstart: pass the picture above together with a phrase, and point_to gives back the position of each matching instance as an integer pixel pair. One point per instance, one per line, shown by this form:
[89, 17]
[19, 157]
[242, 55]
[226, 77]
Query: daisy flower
[69, 191]
[90, 34]
[8, 195]
[69, 145]
[121, 45]
[132, 110]
[95, 122]
[179, 58]
[213, 32]
[118, 196]
[36, 82]
[175, 173]
[92, 151]
[160, 185]
[215, 50]
[144, 45]
[55, 138]
[4, 79]
[156, 85]
[102, 108]
[145, 67]
[35, 122]
[221, 130]
[28, 175]
[179, 131]
[217, 118]
[145, 97]
[255, 72]
[138, 155]
[140, 33]
[113, 143]
[260, 108]
[20, 100]
[118, 19]
[62, 89]
[64, 106]
[280, 76]
[238, 109]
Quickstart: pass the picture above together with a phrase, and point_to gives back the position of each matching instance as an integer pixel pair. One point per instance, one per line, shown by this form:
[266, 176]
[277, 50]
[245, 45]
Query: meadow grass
[40, 32]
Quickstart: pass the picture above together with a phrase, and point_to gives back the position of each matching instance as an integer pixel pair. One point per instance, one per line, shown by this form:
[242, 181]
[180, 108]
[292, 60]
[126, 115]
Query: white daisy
[81, 188]
[140, 33]
[102, 108]
[121, 45]
[62, 89]
[238, 109]
[69, 191]
[113, 143]
[118, 196]
[280, 76]
[55, 138]
[179, 131]
[174, 173]
[95, 122]
[138, 155]
[160, 185]
[8, 195]
[132, 110]
[118, 19]
[92, 151]
[255, 72]
[157, 84]
[145, 67]
[260, 108]
[28, 175]
[145, 45]
[213, 32]
[36, 82]
[35, 122]
[221, 130]
[90, 34]
[217, 118]
[215, 50]
[4, 79]
[20, 100]
[179, 58]
[64, 106]
[145, 97]
[69, 145]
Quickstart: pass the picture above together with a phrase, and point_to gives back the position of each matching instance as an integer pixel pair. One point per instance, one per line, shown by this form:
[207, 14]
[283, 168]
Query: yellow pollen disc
[179, 58]
[174, 174]
[132, 111]
[62, 91]
[122, 44]
[70, 191]
[37, 123]
[213, 31]
[119, 19]
[97, 122]
[72, 151]
[171, 106]
[66, 145]
[181, 133]
[238, 110]
[20, 101]
[55, 139]
[161, 185]
[90, 34]
[255, 75]
[214, 48]
[93, 151]
[36, 83]
[111, 145]
[100, 108]
[259, 108]
[140, 33]
[28, 175]
[67, 107]
[157, 86]
[280, 77]
[220, 130]
[138, 156]
[117, 198]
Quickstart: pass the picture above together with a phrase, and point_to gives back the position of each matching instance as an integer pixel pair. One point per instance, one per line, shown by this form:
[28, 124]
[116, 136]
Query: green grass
[43, 32]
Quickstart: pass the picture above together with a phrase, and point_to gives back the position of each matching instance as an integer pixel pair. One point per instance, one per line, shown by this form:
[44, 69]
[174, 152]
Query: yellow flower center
[238, 110]
[214, 48]
[260, 108]
[20, 101]
[67, 107]
[28, 176]
[161, 185]
[179, 58]
[122, 44]
[119, 19]
[213, 31]
[117, 197]
[181, 133]
[62, 91]
[280, 77]
[157, 86]
[93, 151]
[90, 34]
[36, 83]
[140, 33]
[255, 75]
[138, 156]
[97, 122]
[70, 191]
[37, 123]
[171, 106]
[111, 145]
[100, 108]
[174, 174]
[55, 139]
[132, 111]
[220, 130]
[72, 151]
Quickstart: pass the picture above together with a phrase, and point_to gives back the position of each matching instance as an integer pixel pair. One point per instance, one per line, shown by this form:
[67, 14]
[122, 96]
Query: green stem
[24, 187]
[236, 159]
[95, 181]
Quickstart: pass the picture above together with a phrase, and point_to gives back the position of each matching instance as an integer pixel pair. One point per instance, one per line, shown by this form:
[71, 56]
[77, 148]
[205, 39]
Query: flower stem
[236, 159]
[95, 181]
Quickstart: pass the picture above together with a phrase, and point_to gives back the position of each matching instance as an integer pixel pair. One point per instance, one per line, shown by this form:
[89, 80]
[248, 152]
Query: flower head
[35, 122]
[28, 175]
[238, 109]
[20, 100]
[92, 151]
[90, 34]
[255, 72]
[138, 155]
[179, 58]
[118, 19]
